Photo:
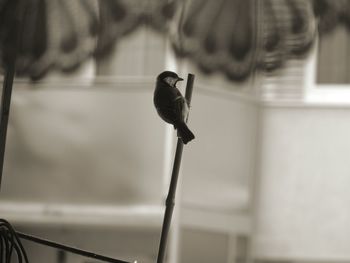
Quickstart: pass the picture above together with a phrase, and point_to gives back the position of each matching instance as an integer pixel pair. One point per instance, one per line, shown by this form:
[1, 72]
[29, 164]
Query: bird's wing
[173, 112]
[181, 107]
[169, 114]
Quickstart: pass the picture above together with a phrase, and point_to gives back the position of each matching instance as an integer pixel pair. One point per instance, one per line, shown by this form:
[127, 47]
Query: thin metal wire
[67, 248]
[12, 243]
[170, 201]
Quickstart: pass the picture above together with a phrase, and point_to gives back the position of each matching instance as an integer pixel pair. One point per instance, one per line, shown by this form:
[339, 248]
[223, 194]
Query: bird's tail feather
[184, 133]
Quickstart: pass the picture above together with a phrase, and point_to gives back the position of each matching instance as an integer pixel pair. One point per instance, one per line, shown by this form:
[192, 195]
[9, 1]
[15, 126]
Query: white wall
[218, 165]
[218, 170]
[304, 175]
[99, 146]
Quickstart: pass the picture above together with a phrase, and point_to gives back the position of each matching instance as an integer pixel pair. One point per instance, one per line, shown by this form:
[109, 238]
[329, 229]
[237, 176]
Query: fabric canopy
[233, 37]
[332, 13]
[236, 37]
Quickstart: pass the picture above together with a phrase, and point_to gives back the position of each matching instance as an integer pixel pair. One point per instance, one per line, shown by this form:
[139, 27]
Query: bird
[171, 106]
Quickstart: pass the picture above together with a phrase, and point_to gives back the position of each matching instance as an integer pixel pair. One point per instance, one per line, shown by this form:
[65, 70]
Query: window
[333, 57]
[328, 70]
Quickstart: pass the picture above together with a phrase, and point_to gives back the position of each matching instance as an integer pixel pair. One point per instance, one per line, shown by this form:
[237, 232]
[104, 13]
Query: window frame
[322, 93]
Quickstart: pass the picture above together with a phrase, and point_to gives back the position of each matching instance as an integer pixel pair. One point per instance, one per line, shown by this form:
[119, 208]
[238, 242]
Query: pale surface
[303, 198]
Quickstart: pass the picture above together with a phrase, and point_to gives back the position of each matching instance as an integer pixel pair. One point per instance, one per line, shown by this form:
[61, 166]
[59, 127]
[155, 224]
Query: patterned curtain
[236, 37]
[233, 37]
[62, 34]
[332, 13]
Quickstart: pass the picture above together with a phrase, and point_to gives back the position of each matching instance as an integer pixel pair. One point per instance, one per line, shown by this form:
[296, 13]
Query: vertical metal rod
[170, 200]
[5, 110]
[10, 66]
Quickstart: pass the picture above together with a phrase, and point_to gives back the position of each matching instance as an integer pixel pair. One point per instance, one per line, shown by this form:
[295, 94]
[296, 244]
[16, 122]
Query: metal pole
[170, 201]
[5, 110]
[10, 63]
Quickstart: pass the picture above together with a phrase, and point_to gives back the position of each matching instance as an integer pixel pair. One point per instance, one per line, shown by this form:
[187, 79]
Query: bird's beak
[179, 79]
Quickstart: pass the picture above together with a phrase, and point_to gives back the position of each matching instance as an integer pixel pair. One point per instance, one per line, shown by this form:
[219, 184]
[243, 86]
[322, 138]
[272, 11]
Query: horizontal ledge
[303, 105]
[128, 83]
[133, 216]
[145, 216]
[146, 83]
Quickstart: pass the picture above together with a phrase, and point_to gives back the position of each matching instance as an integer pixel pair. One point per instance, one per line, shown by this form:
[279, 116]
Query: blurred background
[88, 161]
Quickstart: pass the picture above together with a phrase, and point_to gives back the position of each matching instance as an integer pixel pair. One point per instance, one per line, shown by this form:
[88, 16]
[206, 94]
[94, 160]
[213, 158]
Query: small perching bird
[171, 106]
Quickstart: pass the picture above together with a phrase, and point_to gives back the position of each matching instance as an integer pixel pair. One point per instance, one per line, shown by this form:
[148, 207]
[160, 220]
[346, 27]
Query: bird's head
[169, 77]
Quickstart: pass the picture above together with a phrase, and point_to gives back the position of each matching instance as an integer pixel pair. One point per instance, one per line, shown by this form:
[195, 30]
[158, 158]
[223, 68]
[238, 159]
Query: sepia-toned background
[88, 161]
